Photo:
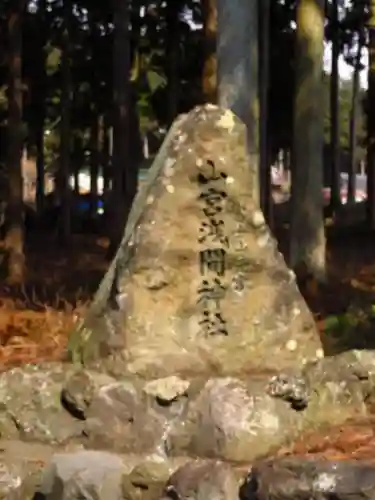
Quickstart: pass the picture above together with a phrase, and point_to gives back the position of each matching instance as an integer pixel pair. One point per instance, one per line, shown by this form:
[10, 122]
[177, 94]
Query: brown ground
[36, 319]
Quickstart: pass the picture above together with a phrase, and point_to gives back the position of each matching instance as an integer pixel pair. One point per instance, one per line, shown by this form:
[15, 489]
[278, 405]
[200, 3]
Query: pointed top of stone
[199, 284]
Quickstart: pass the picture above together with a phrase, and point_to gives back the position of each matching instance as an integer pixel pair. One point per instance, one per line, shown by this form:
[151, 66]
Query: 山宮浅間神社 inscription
[212, 257]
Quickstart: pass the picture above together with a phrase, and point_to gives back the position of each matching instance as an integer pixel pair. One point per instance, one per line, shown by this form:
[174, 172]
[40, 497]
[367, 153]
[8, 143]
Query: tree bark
[237, 60]
[352, 125]
[264, 164]
[95, 122]
[371, 121]
[209, 77]
[41, 108]
[65, 144]
[124, 177]
[335, 200]
[172, 55]
[307, 240]
[14, 239]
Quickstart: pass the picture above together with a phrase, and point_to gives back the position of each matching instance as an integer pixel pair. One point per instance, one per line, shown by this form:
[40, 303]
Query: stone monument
[198, 285]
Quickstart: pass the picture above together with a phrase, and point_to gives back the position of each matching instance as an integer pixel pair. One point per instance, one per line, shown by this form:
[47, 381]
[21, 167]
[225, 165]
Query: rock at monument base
[304, 478]
[233, 420]
[198, 285]
[88, 475]
[219, 426]
[31, 404]
[122, 418]
[194, 481]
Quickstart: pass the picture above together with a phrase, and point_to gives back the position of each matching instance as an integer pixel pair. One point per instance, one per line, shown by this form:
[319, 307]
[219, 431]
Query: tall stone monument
[198, 285]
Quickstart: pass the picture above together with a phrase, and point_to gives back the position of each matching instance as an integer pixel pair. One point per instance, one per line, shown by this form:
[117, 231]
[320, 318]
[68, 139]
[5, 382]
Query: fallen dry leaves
[354, 440]
[31, 336]
[36, 319]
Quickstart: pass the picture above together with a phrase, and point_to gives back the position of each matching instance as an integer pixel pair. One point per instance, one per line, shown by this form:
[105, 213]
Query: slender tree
[353, 157]
[237, 54]
[371, 120]
[264, 146]
[95, 120]
[14, 214]
[307, 245]
[65, 136]
[124, 177]
[209, 77]
[334, 108]
[172, 56]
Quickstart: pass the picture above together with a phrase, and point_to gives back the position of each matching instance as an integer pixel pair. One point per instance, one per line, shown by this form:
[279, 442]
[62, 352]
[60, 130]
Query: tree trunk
[94, 162]
[172, 55]
[264, 164]
[106, 154]
[335, 200]
[307, 245]
[209, 77]
[65, 145]
[77, 162]
[124, 188]
[41, 108]
[371, 121]
[352, 126]
[14, 239]
[237, 59]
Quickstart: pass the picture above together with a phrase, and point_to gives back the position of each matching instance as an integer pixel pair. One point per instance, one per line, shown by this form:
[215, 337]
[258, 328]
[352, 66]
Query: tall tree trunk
[65, 144]
[106, 154]
[94, 162]
[334, 108]
[14, 239]
[172, 55]
[307, 245]
[371, 121]
[237, 48]
[77, 162]
[41, 108]
[124, 179]
[95, 119]
[352, 125]
[264, 164]
[209, 77]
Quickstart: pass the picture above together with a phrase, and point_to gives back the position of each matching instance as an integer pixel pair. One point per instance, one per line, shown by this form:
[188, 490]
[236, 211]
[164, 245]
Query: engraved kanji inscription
[213, 230]
[213, 197]
[211, 292]
[213, 260]
[212, 175]
[213, 323]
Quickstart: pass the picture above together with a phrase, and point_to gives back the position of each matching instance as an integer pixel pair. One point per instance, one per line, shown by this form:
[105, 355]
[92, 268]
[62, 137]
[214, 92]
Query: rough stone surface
[234, 421]
[146, 481]
[31, 407]
[194, 481]
[167, 389]
[340, 388]
[294, 479]
[85, 475]
[123, 418]
[198, 285]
